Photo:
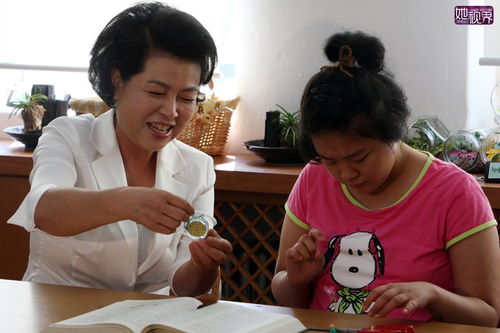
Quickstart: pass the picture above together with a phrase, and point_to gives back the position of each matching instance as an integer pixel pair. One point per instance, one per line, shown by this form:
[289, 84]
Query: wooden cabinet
[249, 208]
[14, 240]
[15, 165]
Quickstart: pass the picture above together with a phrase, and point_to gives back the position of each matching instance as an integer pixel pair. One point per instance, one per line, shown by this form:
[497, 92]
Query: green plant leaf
[289, 122]
[26, 102]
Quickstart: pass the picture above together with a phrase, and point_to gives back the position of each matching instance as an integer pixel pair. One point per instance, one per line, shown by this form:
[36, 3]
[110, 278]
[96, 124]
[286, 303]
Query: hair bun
[367, 50]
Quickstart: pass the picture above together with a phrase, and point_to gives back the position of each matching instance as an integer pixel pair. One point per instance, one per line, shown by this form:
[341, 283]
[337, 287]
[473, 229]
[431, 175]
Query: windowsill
[6, 121]
[240, 173]
[235, 173]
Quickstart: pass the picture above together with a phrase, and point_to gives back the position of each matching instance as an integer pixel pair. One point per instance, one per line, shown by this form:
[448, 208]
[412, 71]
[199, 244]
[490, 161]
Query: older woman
[108, 194]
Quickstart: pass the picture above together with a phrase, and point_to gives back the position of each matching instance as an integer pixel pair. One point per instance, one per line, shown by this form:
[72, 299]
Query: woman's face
[363, 164]
[154, 106]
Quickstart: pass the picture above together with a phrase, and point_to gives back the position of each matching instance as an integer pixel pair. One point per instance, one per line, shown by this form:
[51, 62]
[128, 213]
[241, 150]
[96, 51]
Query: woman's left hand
[210, 252]
[407, 295]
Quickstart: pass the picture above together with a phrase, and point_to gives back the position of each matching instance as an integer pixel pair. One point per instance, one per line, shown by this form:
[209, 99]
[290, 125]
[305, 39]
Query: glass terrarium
[495, 102]
[490, 147]
[461, 147]
[420, 138]
[428, 134]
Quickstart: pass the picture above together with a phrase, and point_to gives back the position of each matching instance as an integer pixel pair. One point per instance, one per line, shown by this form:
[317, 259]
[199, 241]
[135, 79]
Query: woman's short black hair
[359, 99]
[136, 33]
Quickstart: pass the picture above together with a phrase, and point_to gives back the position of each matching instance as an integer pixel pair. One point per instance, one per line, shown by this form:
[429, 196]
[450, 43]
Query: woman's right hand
[304, 260]
[157, 210]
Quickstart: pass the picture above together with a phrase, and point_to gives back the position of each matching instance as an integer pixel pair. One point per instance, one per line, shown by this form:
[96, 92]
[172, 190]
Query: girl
[372, 225]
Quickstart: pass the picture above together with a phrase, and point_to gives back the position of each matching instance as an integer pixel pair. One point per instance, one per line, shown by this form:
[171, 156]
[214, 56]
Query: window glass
[61, 33]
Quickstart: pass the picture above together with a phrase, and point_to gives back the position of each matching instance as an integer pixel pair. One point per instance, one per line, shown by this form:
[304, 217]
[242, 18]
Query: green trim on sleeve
[470, 232]
[295, 219]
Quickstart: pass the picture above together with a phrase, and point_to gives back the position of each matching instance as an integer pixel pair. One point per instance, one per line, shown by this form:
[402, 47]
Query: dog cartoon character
[357, 259]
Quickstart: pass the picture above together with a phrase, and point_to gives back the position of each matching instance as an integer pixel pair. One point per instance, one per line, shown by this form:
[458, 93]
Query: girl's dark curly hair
[136, 33]
[366, 103]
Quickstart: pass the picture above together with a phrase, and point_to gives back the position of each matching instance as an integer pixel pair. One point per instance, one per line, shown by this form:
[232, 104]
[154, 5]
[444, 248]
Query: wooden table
[29, 307]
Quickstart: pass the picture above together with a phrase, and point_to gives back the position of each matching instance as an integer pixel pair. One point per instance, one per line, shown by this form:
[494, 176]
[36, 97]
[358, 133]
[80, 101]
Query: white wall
[280, 47]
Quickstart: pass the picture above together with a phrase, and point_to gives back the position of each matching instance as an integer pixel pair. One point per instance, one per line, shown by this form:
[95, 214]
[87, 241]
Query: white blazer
[83, 152]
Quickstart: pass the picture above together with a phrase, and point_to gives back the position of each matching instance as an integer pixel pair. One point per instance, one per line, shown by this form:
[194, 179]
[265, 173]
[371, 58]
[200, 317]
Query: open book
[179, 314]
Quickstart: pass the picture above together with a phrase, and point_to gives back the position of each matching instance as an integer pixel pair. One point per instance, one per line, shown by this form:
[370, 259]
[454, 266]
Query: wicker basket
[208, 130]
[93, 105]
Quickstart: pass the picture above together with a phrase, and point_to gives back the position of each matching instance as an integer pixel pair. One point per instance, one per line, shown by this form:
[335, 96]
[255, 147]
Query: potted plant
[280, 143]
[289, 123]
[31, 111]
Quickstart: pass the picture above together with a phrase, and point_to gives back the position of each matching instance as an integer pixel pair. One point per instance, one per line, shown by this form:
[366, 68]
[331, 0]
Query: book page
[135, 314]
[224, 317]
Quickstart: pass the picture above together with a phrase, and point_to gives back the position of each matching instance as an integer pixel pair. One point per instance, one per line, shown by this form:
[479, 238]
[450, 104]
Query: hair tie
[345, 59]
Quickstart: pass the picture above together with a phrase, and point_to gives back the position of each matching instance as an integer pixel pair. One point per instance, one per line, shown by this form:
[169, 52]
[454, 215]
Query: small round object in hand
[198, 225]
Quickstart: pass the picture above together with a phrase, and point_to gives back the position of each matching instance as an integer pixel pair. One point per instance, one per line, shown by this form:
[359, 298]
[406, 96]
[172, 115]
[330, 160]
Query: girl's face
[363, 164]
[154, 106]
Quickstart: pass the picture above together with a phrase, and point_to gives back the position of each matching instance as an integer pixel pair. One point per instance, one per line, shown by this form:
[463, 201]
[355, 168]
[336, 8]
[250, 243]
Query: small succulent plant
[31, 111]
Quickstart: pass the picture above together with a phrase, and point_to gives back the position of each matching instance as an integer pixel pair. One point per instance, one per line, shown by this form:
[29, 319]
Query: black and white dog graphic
[356, 260]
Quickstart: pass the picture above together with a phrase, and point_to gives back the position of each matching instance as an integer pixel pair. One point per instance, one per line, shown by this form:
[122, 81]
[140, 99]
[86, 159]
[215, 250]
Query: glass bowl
[490, 147]
[462, 148]
[420, 138]
[427, 133]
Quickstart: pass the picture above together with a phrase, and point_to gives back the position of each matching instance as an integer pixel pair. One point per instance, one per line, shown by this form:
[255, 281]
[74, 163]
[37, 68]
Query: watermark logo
[477, 15]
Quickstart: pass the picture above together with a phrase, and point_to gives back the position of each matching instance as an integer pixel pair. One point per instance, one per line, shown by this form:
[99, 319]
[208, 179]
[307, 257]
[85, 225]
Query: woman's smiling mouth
[160, 130]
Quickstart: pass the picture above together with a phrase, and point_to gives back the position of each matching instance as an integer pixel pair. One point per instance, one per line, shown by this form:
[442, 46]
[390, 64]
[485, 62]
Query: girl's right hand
[158, 210]
[304, 260]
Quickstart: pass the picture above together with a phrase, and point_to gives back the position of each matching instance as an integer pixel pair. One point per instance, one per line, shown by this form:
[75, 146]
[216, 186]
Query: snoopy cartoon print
[357, 259]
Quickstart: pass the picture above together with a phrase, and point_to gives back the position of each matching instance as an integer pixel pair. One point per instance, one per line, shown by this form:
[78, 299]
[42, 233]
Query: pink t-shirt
[406, 241]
